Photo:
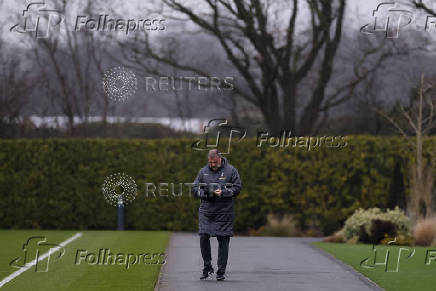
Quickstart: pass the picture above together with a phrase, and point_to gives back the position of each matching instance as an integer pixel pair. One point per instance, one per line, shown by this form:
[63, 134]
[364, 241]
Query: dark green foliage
[56, 183]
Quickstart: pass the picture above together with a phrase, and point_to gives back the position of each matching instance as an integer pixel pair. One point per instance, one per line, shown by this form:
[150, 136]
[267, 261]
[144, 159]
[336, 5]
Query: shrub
[353, 240]
[425, 232]
[284, 226]
[406, 240]
[337, 237]
[372, 224]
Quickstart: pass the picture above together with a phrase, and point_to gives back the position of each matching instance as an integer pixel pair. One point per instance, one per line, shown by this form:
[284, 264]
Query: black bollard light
[120, 219]
[119, 190]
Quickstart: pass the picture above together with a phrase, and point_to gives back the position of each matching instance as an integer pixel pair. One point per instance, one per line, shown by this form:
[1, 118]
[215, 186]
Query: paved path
[258, 263]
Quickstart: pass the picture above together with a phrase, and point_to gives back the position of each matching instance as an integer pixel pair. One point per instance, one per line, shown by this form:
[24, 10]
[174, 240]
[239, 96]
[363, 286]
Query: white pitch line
[44, 256]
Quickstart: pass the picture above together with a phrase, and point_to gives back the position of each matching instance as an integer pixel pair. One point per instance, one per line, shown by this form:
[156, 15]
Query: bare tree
[419, 119]
[16, 86]
[71, 65]
[274, 59]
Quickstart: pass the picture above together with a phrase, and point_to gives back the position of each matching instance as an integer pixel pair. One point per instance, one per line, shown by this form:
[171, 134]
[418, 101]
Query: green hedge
[56, 183]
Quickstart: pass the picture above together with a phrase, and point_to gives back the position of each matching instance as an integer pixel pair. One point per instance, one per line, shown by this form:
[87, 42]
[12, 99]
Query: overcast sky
[358, 12]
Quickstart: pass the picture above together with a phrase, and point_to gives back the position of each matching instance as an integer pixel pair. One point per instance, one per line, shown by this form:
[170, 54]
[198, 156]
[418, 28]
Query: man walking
[216, 184]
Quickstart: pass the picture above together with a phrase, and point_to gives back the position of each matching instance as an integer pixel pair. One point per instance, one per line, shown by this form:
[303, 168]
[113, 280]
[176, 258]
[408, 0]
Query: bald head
[214, 159]
[214, 154]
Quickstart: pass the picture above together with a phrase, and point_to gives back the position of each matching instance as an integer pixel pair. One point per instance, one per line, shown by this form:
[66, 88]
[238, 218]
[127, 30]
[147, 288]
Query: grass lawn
[84, 266]
[413, 272]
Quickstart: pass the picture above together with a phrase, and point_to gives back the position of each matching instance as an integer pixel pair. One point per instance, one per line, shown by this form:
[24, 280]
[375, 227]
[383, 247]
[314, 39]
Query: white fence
[194, 125]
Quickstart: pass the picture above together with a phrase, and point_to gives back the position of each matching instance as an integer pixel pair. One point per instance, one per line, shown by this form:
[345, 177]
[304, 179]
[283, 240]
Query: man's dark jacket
[215, 215]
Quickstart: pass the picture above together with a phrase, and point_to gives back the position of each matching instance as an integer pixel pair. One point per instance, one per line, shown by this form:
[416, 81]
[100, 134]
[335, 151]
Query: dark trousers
[223, 252]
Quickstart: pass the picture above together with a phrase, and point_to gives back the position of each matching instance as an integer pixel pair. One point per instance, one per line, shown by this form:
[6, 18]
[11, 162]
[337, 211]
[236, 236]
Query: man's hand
[218, 192]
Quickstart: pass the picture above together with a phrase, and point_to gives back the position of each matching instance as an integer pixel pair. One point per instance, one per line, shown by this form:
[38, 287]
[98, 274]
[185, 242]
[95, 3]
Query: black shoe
[220, 277]
[206, 273]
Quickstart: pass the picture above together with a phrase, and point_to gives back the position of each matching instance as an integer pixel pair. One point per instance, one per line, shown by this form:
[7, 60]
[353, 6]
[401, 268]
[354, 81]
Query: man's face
[214, 163]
